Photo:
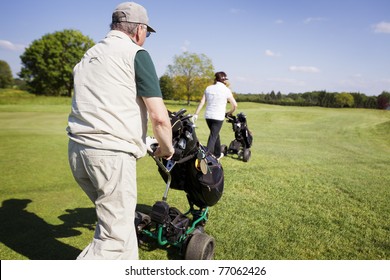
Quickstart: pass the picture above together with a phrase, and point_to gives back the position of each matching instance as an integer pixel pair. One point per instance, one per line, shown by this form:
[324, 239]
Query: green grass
[316, 187]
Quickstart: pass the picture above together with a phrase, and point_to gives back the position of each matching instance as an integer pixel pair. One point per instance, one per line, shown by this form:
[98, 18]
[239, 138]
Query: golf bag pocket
[248, 138]
[160, 212]
[207, 187]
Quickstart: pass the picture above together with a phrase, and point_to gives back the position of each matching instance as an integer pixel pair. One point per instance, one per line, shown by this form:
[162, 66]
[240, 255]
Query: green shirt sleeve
[145, 76]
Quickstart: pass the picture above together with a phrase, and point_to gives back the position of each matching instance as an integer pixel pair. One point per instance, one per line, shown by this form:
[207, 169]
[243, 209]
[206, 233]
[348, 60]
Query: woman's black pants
[214, 143]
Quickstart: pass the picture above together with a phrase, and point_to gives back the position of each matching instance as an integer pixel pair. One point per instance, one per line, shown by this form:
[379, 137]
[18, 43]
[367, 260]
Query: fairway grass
[316, 187]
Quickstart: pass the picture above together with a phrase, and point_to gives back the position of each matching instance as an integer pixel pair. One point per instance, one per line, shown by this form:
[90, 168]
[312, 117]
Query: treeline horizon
[320, 98]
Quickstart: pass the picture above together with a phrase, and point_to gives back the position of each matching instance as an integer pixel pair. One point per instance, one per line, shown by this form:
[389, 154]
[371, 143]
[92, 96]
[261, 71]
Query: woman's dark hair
[220, 77]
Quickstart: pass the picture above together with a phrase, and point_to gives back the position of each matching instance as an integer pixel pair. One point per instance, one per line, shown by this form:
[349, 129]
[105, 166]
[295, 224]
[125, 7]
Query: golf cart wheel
[224, 150]
[200, 247]
[247, 155]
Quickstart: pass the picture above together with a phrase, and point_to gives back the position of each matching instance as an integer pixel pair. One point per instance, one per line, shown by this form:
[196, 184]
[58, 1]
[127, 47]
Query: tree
[344, 100]
[311, 97]
[383, 100]
[48, 62]
[326, 99]
[359, 99]
[272, 95]
[190, 73]
[371, 102]
[20, 84]
[166, 86]
[6, 79]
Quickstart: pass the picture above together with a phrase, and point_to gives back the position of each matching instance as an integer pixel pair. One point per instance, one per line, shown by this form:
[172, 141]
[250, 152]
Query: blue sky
[280, 45]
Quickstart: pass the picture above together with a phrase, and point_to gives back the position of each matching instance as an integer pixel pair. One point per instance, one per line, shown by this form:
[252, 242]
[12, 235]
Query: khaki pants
[109, 180]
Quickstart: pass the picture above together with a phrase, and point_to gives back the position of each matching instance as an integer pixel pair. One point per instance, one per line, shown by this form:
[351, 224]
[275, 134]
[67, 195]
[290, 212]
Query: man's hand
[164, 154]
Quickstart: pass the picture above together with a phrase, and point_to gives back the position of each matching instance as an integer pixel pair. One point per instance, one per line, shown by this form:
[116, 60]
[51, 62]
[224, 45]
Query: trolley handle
[151, 146]
[230, 118]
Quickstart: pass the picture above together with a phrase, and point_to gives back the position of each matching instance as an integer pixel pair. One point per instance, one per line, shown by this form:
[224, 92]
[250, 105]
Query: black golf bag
[196, 170]
[243, 137]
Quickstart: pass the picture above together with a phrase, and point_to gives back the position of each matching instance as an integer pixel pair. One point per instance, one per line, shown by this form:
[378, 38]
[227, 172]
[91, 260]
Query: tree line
[320, 98]
[47, 66]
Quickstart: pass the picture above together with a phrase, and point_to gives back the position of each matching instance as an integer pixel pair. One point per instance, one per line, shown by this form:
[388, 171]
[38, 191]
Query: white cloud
[279, 21]
[305, 69]
[312, 19]
[382, 27]
[186, 45]
[7, 45]
[271, 53]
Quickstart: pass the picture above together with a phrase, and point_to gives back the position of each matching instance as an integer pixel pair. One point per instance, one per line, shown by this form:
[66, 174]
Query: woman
[216, 96]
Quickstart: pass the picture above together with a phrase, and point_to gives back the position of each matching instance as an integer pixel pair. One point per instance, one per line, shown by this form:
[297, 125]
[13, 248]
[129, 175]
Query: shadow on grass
[29, 235]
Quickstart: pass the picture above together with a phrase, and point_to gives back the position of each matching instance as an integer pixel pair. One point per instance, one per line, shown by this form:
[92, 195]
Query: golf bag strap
[187, 158]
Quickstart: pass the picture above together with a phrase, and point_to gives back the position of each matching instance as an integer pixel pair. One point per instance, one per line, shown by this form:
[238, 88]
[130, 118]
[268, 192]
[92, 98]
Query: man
[115, 88]
[216, 96]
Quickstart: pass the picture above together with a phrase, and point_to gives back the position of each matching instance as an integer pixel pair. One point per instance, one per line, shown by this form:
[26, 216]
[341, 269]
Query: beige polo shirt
[107, 108]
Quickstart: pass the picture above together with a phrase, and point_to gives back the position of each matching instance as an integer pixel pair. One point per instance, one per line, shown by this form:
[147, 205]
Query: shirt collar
[119, 34]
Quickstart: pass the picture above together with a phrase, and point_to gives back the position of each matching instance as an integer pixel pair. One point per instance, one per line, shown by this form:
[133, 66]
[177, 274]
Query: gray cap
[131, 12]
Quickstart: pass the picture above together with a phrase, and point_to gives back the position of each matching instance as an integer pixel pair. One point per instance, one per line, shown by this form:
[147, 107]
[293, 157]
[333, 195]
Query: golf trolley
[243, 138]
[198, 173]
